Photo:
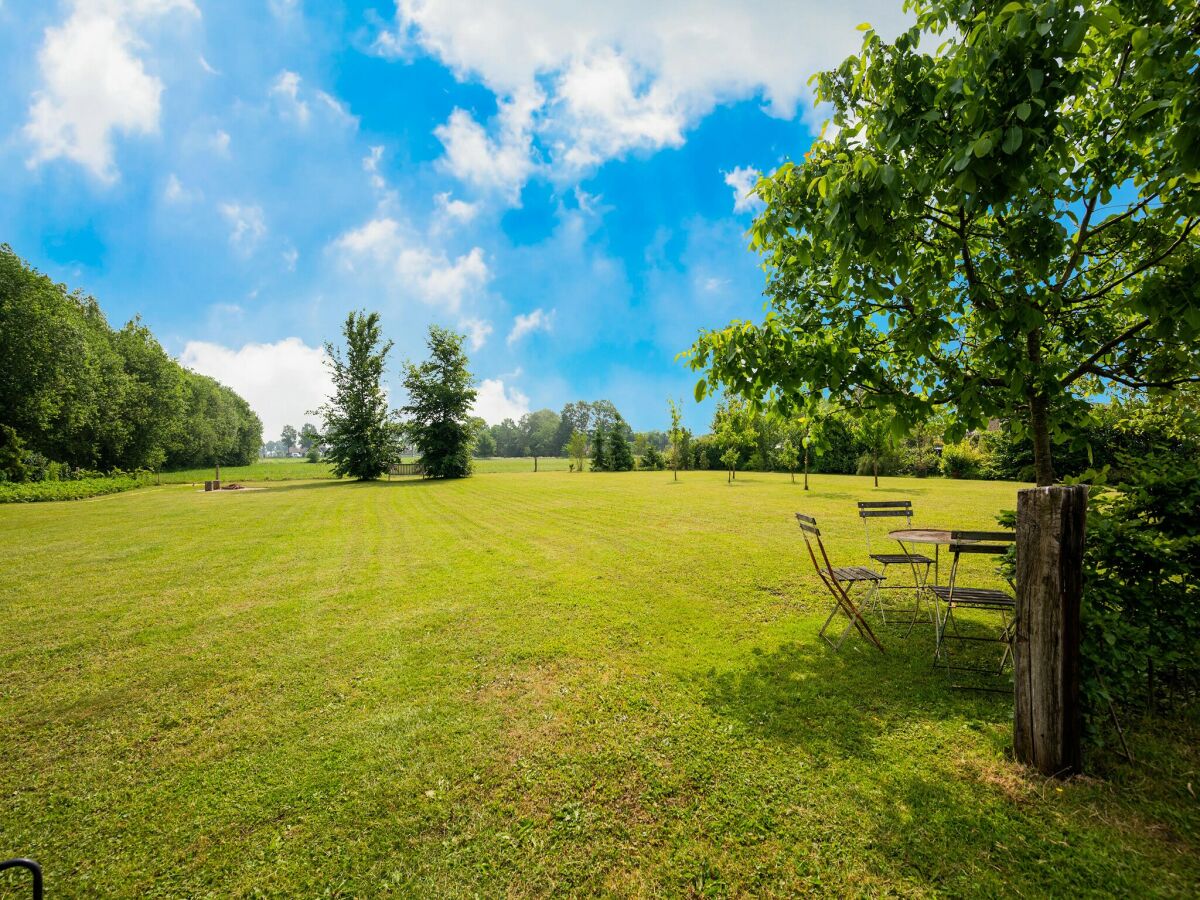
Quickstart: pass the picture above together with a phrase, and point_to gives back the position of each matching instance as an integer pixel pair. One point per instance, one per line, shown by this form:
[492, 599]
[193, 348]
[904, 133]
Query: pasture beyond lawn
[521, 684]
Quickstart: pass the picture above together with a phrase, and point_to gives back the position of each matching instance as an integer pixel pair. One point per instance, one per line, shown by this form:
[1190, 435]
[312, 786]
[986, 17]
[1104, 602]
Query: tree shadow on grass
[346, 484]
[837, 704]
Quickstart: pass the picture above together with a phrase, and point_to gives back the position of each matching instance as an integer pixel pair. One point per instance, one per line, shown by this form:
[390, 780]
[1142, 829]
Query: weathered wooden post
[1050, 533]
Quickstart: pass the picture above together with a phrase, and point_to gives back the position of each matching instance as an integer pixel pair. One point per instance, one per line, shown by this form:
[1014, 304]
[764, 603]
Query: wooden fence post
[1050, 531]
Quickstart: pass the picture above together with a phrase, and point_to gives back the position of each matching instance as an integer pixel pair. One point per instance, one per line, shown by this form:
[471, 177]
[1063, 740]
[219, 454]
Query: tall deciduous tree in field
[676, 435]
[289, 436]
[359, 430]
[309, 436]
[576, 448]
[441, 393]
[1004, 226]
[540, 430]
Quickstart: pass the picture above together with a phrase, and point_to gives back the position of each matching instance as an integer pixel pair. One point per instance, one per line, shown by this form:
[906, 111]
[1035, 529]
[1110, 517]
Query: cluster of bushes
[78, 486]
[90, 397]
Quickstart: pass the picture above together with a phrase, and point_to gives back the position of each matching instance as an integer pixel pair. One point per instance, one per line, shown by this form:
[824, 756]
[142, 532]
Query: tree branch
[1150, 263]
[1088, 364]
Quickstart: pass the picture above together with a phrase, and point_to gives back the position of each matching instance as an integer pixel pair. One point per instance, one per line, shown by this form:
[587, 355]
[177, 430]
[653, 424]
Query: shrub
[1141, 602]
[313, 455]
[75, 489]
[963, 460]
[653, 459]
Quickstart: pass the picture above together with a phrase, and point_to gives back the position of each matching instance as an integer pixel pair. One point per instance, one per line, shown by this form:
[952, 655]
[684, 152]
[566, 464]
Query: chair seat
[982, 598]
[894, 559]
[856, 573]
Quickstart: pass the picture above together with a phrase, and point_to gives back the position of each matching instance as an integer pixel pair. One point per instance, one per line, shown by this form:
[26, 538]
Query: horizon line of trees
[77, 395]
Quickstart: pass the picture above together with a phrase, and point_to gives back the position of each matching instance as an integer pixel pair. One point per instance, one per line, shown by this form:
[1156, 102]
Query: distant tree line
[75, 394]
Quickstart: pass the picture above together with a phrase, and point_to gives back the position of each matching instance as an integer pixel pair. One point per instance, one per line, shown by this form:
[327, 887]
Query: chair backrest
[883, 509]
[995, 543]
[812, 534]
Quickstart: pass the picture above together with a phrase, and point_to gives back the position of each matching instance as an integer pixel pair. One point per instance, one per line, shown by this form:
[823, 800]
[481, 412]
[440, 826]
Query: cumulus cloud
[220, 142]
[246, 225]
[452, 210]
[477, 331]
[95, 84]
[280, 381]
[499, 165]
[383, 245]
[742, 179]
[494, 402]
[593, 81]
[527, 323]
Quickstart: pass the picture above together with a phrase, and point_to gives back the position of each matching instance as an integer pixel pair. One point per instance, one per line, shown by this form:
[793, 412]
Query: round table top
[922, 535]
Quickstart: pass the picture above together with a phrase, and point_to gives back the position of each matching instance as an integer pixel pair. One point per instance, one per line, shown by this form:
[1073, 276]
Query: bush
[1141, 602]
[313, 455]
[653, 459]
[76, 489]
[963, 460]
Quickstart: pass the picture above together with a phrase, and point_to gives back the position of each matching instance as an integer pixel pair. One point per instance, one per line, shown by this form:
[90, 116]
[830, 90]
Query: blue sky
[561, 182]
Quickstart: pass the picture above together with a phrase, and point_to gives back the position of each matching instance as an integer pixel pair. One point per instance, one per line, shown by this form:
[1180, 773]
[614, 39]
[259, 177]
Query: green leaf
[982, 147]
[1075, 35]
[1012, 139]
[1140, 38]
[1023, 111]
[1036, 77]
[864, 26]
[701, 389]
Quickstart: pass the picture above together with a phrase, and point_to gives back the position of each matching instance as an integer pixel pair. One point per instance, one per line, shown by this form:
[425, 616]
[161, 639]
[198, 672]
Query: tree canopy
[359, 430]
[1001, 220]
[441, 393]
[80, 393]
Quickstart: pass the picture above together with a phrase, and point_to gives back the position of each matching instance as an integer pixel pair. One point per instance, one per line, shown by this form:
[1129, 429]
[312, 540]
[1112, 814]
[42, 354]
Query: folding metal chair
[841, 582]
[891, 509]
[954, 596]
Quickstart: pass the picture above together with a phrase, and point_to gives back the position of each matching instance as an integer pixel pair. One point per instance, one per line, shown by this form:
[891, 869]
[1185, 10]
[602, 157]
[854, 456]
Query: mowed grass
[522, 685]
[303, 470]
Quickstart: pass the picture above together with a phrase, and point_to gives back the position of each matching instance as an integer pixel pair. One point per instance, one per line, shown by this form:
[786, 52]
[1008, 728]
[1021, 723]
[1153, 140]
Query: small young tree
[676, 435]
[358, 427]
[873, 429]
[438, 413]
[733, 430]
[576, 448]
[787, 457]
[730, 460]
[620, 457]
[599, 450]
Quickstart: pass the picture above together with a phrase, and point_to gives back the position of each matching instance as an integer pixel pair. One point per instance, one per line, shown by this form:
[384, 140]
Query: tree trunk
[1051, 522]
[218, 471]
[535, 464]
[793, 476]
[1039, 416]
[875, 469]
[806, 468]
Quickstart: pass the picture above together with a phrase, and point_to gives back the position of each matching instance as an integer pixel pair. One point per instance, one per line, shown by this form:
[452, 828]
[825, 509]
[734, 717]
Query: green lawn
[521, 684]
[303, 470]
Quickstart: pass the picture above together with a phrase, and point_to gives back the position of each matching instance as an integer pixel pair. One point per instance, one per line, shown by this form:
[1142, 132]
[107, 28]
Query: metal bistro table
[935, 536]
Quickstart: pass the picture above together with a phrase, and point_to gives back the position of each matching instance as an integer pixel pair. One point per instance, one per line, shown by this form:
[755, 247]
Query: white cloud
[742, 179]
[287, 94]
[286, 91]
[527, 323]
[207, 66]
[284, 9]
[95, 84]
[494, 402]
[246, 224]
[499, 165]
[371, 167]
[280, 381]
[175, 192]
[399, 257]
[623, 74]
[452, 210]
[220, 142]
[477, 331]
[290, 257]
[712, 284]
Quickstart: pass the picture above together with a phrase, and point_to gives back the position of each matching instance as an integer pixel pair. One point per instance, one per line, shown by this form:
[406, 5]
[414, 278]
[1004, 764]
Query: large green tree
[441, 393]
[359, 430]
[1002, 220]
[540, 431]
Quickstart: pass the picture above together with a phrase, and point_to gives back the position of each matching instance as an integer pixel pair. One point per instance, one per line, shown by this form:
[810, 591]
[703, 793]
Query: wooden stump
[1050, 531]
